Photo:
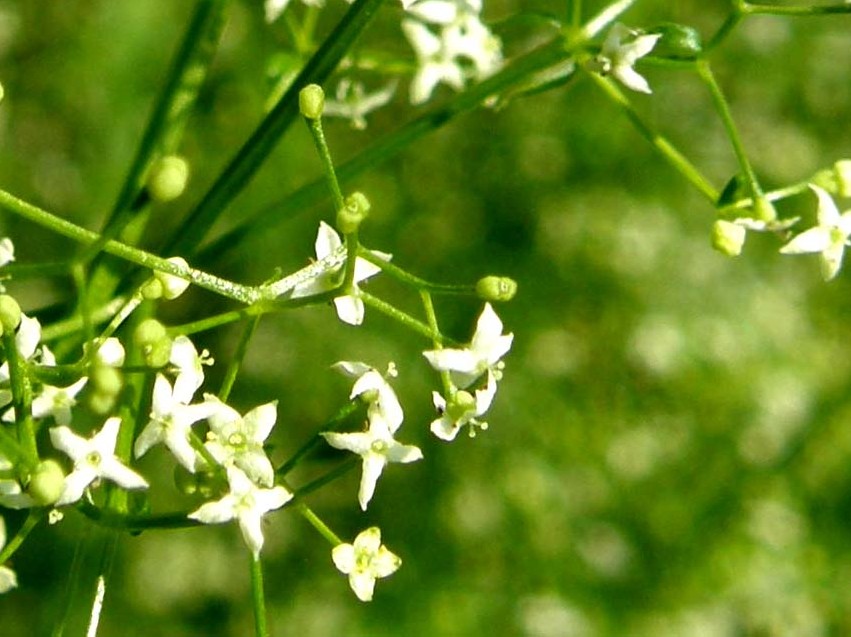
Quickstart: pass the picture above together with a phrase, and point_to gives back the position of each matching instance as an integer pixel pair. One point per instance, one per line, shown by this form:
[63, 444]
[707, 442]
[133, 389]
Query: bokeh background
[669, 450]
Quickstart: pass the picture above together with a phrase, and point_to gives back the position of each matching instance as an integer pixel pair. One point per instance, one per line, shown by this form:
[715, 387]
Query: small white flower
[486, 349]
[56, 402]
[349, 307]
[464, 409]
[376, 447]
[829, 237]
[365, 561]
[247, 503]
[354, 103]
[171, 423]
[8, 579]
[93, 458]
[383, 403]
[189, 365]
[621, 50]
[236, 440]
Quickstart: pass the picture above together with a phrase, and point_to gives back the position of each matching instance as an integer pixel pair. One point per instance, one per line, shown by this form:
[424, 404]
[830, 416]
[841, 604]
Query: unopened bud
[728, 237]
[164, 285]
[167, 178]
[311, 101]
[353, 212]
[764, 210]
[678, 41]
[10, 314]
[496, 288]
[46, 482]
[151, 337]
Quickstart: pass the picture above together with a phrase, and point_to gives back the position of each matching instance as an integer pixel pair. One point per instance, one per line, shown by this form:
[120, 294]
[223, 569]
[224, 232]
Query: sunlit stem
[414, 281]
[122, 315]
[258, 597]
[33, 518]
[405, 319]
[673, 156]
[754, 8]
[239, 355]
[431, 317]
[605, 18]
[318, 524]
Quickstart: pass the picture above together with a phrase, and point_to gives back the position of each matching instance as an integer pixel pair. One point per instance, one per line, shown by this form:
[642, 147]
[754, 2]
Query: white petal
[435, 11]
[217, 512]
[630, 78]
[344, 559]
[828, 213]
[260, 421]
[831, 261]
[426, 44]
[327, 241]
[459, 360]
[444, 428]
[112, 469]
[363, 585]
[358, 442]
[8, 579]
[252, 531]
[385, 563]
[373, 465]
[816, 239]
[75, 484]
[69, 443]
[638, 48]
[403, 453]
[351, 368]
[104, 440]
[349, 309]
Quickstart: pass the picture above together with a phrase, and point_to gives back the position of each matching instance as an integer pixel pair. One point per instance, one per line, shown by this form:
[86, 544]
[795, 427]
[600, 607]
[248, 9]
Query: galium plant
[87, 396]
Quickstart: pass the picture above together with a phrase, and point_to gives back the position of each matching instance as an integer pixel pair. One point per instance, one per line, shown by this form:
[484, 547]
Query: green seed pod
[46, 482]
[496, 288]
[352, 214]
[167, 178]
[10, 314]
[311, 101]
[728, 238]
[151, 337]
[678, 41]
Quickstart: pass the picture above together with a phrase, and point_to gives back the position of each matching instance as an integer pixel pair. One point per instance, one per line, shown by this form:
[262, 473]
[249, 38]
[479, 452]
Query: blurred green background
[669, 449]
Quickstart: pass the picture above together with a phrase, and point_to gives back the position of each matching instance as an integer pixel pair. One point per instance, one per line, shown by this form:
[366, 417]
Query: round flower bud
[151, 337]
[167, 178]
[311, 101]
[764, 210]
[10, 314]
[352, 214]
[842, 169]
[496, 288]
[678, 41]
[728, 238]
[152, 289]
[164, 285]
[46, 482]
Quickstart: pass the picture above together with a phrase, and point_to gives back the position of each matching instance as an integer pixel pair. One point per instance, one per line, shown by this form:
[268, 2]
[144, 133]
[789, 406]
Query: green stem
[431, 317]
[730, 23]
[21, 399]
[33, 518]
[318, 524]
[262, 142]
[258, 597]
[414, 281]
[331, 425]
[315, 126]
[236, 361]
[673, 156]
[340, 470]
[754, 8]
[405, 319]
[75, 323]
[705, 73]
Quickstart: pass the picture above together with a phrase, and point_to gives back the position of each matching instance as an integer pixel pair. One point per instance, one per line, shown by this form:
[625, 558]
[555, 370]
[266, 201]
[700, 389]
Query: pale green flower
[365, 561]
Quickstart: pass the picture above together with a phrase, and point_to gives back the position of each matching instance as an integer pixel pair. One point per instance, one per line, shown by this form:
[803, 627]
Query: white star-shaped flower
[93, 459]
[8, 579]
[349, 307]
[463, 409]
[57, 402]
[171, 422]
[236, 440]
[486, 349]
[189, 365]
[829, 237]
[247, 503]
[621, 50]
[365, 561]
[383, 403]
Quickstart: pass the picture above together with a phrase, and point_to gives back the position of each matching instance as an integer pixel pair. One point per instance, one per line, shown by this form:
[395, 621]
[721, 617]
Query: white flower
[171, 423]
[7, 251]
[376, 447]
[463, 409]
[247, 503]
[486, 349]
[349, 307]
[383, 403]
[56, 402]
[238, 440]
[8, 579]
[365, 561]
[621, 49]
[354, 103]
[829, 237]
[190, 368]
[464, 49]
[93, 458]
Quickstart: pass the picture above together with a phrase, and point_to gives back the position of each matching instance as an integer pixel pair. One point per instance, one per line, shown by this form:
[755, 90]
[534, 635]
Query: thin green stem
[405, 319]
[31, 521]
[318, 134]
[673, 156]
[406, 277]
[75, 323]
[308, 514]
[258, 597]
[338, 471]
[331, 425]
[239, 355]
[808, 10]
[21, 399]
[730, 23]
[431, 317]
[705, 73]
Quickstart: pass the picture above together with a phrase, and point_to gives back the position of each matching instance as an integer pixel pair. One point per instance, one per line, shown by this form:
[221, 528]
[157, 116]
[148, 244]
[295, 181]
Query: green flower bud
[352, 214]
[152, 289]
[842, 170]
[678, 41]
[496, 288]
[46, 482]
[151, 337]
[105, 383]
[10, 314]
[764, 210]
[167, 178]
[728, 238]
[311, 101]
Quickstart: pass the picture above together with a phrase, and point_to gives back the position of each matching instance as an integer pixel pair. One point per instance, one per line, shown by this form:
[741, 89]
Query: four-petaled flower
[247, 503]
[8, 579]
[238, 440]
[829, 237]
[171, 423]
[483, 354]
[349, 306]
[383, 403]
[93, 458]
[365, 561]
[462, 409]
[621, 49]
